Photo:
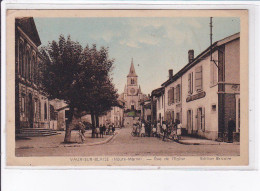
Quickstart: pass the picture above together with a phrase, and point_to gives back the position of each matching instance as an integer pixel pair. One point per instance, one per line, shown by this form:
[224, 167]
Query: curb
[92, 144]
[217, 143]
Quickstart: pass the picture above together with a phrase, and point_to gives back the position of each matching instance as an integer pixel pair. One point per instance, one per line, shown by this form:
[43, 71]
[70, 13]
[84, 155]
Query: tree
[60, 73]
[100, 93]
[82, 78]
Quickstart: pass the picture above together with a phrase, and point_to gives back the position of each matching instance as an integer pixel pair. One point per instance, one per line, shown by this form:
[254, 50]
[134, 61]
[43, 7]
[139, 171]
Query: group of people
[103, 129]
[166, 129]
[169, 129]
[96, 131]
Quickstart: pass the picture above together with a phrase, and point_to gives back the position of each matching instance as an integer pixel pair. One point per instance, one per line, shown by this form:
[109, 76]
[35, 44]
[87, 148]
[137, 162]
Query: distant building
[205, 93]
[146, 113]
[32, 107]
[157, 106]
[114, 116]
[132, 93]
[58, 109]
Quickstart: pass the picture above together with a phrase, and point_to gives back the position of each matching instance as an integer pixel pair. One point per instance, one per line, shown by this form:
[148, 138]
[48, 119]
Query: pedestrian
[101, 131]
[113, 128]
[231, 128]
[158, 128]
[81, 131]
[164, 127]
[104, 129]
[109, 129]
[149, 128]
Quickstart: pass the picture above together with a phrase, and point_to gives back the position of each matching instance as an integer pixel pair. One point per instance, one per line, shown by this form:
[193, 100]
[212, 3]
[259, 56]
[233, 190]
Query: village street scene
[127, 86]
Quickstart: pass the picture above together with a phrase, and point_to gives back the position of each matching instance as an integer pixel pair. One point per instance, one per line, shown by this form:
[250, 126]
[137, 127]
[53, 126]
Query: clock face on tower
[132, 91]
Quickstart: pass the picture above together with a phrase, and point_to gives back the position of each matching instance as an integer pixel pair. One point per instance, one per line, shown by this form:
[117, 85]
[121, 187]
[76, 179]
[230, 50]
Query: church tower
[132, 83]
[132, 93]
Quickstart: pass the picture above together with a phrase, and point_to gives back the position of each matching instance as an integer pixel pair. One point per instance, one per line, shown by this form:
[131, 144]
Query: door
[189, 121]
[30, 111]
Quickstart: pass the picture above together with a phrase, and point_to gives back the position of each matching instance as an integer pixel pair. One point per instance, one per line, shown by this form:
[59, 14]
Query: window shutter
[191, 120]
[189, 83]
[198, 78]
[169, 97]
[173, 96]
[203, 119]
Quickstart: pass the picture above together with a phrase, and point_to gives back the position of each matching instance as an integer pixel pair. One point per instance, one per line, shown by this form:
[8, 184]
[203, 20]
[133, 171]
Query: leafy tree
[100, 93]
[61, 72]
[82, 78]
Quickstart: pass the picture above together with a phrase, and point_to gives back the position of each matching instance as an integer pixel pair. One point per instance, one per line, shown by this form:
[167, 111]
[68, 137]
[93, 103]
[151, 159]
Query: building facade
[58, 109]
[146, 113]
[32, 107]
[205, 93]
[114, 116]
[132, 95]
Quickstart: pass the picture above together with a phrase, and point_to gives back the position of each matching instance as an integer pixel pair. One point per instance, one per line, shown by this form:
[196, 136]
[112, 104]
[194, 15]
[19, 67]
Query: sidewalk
[186, 140]
[56, 141]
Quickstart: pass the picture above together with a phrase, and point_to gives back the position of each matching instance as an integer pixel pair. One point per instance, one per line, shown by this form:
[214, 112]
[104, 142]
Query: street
[123, 144]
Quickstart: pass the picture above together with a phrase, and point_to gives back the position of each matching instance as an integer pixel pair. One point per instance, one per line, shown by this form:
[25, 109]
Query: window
[45, 111]
[178, 93]
[178, 116]
[172, 116]
[201, 118]
[40, 111]
[132, 81]
[214, 107]
[27, 61]
[198, 78]
[213, 74]
[21, 58]
[190, 83]
[23, 104]
[162, 101]
[170, 96]
[35, 109]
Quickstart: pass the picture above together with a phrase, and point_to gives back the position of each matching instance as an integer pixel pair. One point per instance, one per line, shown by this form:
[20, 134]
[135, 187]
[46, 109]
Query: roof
[132, 70]
[202, 55]
[28, 26]
[158, 92]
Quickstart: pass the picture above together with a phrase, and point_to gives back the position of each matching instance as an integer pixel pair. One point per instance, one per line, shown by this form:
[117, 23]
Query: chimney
[190, 55]
[170, 73]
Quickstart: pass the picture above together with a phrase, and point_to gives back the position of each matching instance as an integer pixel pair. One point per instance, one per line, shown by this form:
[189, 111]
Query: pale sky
[155, 44]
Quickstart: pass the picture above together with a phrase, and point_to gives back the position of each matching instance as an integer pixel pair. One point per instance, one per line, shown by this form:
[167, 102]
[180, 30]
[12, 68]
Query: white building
[204, 94]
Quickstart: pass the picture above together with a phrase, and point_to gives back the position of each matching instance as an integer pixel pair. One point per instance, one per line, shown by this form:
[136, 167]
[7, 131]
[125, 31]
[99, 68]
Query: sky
[155, 44]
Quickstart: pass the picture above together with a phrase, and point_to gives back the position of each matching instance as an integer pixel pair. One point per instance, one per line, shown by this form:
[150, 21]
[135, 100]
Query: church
[132, 95]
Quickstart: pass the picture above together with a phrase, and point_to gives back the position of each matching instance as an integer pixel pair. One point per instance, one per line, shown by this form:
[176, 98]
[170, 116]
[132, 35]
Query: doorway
[189, 121]
[30, 111]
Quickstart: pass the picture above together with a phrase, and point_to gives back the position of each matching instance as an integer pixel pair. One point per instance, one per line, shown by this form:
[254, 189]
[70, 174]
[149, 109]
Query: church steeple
[132, 70]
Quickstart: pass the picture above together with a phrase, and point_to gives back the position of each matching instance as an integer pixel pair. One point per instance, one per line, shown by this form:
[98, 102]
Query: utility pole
[211, 26]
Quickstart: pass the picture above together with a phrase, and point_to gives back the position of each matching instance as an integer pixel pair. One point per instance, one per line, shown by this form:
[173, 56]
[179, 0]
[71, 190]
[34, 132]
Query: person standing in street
[113, 128]
[231, 128]
[158, 128]
[164, 127]
[81, 131]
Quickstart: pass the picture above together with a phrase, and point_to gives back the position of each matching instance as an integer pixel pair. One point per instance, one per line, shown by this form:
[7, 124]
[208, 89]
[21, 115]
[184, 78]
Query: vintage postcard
[127, 88]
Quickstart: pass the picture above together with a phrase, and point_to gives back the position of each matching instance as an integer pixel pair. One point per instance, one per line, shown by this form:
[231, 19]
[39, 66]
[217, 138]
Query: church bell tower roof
[132, 70]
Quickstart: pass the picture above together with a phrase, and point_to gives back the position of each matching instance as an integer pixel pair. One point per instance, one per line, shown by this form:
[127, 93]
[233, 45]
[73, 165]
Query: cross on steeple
[132, 70]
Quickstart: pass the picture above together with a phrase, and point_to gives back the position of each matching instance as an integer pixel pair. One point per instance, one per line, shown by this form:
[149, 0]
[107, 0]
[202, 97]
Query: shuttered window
[173, 97]
[178, 93]
[198, 78]
[170, 96]
[190, 83]
[213, 74]
[201, 119]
